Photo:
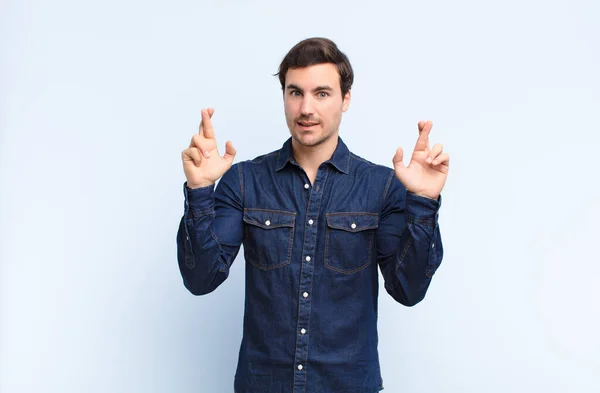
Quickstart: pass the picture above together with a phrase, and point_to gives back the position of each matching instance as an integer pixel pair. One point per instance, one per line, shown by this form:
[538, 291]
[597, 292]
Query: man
[315, 221]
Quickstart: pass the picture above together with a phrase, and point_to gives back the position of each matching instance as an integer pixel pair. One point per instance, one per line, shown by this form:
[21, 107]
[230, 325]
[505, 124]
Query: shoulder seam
[260, 158]
[357, 158]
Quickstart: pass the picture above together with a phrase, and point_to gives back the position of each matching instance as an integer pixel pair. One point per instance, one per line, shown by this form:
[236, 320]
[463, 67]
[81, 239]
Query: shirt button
[306, 186]
[267, 223]
[300, 367]
[307, 259]
[433, 245]
[305, 294]
[310, 222]
[303, 331]
[353, 226]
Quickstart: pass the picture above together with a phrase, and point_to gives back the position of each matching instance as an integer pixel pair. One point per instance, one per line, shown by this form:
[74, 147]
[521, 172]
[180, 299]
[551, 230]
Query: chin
[309, 140]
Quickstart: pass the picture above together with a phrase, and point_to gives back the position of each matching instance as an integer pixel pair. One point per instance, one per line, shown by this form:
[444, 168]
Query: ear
[346, 101]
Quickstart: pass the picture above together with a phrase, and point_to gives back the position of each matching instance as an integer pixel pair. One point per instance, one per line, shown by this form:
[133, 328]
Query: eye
[323, 94]
[295, 93]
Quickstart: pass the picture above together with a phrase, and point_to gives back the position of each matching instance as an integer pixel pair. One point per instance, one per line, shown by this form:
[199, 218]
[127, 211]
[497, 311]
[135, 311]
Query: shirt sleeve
[409, 244]
[210, 232]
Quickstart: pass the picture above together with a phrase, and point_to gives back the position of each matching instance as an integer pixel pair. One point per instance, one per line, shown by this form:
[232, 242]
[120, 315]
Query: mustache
[307, 119]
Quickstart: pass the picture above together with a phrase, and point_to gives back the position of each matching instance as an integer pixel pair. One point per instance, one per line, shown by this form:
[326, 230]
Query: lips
[307, 124]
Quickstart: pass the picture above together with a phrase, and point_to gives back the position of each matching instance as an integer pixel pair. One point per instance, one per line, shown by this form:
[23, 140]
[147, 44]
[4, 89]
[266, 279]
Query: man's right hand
[202, 164]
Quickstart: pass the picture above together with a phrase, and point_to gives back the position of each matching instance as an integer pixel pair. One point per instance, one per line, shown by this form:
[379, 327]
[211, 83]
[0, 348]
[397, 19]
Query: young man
[316, 221]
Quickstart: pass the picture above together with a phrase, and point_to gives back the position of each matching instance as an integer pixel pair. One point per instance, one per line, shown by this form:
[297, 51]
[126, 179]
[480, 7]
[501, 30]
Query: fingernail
[205, 153]
[428, 159]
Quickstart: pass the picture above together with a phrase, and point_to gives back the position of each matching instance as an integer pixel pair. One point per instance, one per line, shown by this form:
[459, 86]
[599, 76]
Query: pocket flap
[353, 222]
[269, 219]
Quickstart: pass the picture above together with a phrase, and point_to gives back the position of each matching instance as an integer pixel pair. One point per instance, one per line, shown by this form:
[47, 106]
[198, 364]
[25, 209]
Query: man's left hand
[427, 171]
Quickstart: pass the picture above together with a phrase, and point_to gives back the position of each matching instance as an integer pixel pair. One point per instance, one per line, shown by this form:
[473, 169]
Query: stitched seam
[270, 211]
[422, 221]
[405, 251]
[348, 163]
[351, 214]
[252, 221]
[348, 272]
[201, 213]
[329, 266]
[290, 246]
[387, 188]
[334, 226]
[258, 160]
[301, 273]
[272, 226]
[242, 190]
[312, 280]
[357, 229]
[346, 214]
[360, 159]
[326, 258]
[267, 267]
[220, 259]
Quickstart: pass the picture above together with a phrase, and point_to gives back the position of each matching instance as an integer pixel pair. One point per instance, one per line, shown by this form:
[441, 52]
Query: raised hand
[202, 164]
[427, 171]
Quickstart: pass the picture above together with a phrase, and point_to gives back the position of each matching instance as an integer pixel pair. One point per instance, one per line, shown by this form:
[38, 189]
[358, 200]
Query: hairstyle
[313, 51]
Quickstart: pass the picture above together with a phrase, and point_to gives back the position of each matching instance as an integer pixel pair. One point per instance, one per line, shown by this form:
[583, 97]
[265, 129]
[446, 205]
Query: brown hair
[313, 51]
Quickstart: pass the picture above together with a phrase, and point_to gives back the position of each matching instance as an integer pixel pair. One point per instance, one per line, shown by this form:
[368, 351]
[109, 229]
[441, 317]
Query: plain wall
[98, 99]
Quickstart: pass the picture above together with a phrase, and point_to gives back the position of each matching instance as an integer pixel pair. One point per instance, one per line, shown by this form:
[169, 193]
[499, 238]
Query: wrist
[428, 196]
[201, 184]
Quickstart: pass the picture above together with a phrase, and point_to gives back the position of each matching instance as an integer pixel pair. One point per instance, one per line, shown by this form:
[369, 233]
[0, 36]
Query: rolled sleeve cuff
[421, 209]
[199, 201]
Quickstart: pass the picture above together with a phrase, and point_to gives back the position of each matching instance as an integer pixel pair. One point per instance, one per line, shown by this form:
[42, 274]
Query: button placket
[313, 206]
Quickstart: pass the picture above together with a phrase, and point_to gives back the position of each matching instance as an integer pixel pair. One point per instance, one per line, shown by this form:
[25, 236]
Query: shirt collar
[340, 158]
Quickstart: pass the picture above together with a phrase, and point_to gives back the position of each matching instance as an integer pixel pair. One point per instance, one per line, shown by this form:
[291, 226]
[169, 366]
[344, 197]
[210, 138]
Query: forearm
[204, 259]
[409, 270]
[202, 262]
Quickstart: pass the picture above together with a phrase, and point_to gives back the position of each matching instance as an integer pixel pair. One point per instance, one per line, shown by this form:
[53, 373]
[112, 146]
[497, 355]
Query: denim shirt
[311, 255]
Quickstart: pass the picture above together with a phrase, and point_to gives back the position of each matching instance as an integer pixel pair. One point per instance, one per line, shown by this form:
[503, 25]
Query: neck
[311, 157]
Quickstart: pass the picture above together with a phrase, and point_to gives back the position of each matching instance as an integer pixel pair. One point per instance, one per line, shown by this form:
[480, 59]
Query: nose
[307, 107]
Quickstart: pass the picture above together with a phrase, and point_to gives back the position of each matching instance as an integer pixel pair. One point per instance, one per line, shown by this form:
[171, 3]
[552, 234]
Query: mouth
[307, 124]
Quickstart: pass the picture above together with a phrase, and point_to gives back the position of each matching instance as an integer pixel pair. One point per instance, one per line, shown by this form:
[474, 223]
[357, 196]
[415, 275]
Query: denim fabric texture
[312, 253]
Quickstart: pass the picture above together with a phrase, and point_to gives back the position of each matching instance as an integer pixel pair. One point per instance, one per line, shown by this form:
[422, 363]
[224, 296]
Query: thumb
[229, 152]
[397, 160]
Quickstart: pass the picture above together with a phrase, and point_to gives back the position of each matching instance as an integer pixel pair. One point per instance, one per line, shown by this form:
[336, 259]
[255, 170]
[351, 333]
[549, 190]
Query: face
[314, 104]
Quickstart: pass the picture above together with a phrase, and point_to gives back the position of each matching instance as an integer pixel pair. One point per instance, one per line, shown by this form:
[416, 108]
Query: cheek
[332, 112]
[289, 108]
[288, 112]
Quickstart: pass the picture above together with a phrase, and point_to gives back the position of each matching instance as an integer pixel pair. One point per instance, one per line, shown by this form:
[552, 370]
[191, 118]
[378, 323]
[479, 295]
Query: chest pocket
[349, 241]
[268, 237]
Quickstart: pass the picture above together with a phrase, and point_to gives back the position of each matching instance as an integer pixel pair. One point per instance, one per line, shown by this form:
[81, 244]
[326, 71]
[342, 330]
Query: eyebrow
[316, 89]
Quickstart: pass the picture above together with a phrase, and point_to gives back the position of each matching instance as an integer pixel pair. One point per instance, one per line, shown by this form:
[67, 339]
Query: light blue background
[98, 99]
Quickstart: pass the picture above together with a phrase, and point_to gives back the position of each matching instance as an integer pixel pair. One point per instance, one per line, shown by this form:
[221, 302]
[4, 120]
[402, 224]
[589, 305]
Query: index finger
[206, 127]
[424, 130]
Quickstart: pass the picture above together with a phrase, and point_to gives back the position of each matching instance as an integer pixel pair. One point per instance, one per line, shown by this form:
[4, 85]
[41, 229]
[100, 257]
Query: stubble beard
[323, 138]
